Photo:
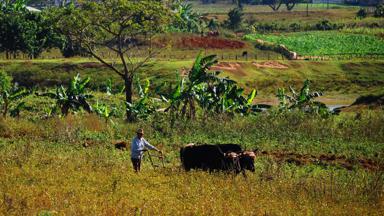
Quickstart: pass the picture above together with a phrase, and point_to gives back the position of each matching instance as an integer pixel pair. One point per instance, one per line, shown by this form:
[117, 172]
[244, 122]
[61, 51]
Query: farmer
[138, 146]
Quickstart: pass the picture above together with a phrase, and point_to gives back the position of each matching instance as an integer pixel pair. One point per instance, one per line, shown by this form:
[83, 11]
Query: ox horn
[250, 154]
[231, 155]
[189, 145]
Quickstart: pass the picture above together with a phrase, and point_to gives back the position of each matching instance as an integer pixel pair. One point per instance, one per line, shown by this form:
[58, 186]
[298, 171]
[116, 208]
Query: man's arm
[149, 146]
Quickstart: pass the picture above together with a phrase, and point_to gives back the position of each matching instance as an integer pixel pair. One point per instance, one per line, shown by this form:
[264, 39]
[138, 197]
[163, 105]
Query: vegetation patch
[198, 42]
[325, 43]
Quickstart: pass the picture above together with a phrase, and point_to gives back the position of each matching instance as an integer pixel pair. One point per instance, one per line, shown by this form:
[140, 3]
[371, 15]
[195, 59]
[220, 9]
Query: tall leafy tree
[125, 27]
[235, 18]
[24, 31]
[274, 4]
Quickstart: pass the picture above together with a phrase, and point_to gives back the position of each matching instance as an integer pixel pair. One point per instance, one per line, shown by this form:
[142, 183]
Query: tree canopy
[24, 31]
[125, 27]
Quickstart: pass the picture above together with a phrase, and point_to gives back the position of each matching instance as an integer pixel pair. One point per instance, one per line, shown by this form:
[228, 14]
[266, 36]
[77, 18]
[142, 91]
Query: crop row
[325, 43]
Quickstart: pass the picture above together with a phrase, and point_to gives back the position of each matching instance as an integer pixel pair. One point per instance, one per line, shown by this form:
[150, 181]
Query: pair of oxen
[221, 157]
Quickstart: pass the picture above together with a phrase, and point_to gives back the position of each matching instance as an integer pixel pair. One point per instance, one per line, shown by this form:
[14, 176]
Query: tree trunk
[128, 95]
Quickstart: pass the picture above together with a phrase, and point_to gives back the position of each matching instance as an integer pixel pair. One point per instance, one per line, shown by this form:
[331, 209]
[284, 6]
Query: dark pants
[136, 162]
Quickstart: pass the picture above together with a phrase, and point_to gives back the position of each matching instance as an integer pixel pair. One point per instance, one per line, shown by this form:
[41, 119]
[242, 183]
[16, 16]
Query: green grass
[325, 43]
[225, 7]
[334, 78]
[379, 32]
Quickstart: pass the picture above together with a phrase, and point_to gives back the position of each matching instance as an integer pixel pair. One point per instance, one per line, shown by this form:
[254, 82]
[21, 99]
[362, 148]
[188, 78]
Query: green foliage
[235, 18]
[379, 11]
[73, 98]
[144, 106]
[186, 19]
[25, 31]
[13, 5]
[322, 43]
[212, 25]
[325, 25]
[10, 96]
[208, 91]
[5, 81]
[361, 13]
[302, 100]
[104, 111]
[123, 27]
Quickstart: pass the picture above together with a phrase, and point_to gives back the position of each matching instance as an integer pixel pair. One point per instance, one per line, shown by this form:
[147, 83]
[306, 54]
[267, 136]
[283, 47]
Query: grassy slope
[45, 168]
[335, 78]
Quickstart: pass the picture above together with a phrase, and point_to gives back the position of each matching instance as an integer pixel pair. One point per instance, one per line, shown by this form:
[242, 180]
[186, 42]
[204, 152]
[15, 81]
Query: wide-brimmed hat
[140, 131]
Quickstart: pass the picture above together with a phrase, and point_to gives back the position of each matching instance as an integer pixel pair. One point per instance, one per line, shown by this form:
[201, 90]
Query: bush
[235, 18]
[362, 13]
[379, 12]
[325, 25]
[295, 27]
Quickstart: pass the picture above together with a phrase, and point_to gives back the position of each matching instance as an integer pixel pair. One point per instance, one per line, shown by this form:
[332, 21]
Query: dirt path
[233, 67]
[270, 64]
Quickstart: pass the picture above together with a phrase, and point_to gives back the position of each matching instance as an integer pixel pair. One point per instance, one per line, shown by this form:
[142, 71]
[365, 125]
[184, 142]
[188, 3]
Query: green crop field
[325, 43]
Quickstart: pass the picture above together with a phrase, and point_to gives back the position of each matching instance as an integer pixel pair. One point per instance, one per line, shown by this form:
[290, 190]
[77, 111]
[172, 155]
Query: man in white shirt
[138, 146]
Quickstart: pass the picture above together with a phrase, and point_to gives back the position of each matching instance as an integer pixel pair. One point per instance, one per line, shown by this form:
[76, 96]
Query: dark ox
[224, 157]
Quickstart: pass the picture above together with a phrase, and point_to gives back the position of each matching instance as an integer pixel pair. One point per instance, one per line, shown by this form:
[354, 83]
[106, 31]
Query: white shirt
[137, 147]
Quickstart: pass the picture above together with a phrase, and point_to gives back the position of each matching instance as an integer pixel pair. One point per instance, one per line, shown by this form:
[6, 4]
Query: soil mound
[324, 160]
[235, 68]
[270, 64]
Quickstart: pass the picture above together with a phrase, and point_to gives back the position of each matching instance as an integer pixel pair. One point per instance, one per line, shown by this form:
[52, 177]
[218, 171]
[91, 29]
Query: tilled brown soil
[323, 159]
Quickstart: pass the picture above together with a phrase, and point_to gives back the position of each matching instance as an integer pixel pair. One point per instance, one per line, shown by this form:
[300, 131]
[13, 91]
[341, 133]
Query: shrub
[235, 18]
[362, 13]
[379, 11]
[294, 27]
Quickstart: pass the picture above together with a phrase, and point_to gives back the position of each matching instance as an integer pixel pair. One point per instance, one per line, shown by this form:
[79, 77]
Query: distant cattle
[121, 145]
[224, 157]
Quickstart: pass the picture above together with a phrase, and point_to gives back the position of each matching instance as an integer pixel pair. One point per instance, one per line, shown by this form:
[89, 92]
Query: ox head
[233, 161]
[247, 160]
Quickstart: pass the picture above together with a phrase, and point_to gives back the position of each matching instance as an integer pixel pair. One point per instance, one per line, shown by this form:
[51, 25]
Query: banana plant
[186, 20]
[11, 96]
[74, 97]
[207, 90]
[104, 111]
[302, 100]
[183, 98]
[144, 106]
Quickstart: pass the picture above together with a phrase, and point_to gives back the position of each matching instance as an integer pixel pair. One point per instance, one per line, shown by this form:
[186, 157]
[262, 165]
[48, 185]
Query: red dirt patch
[235, 68]
[270, 64]
[327, 160]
